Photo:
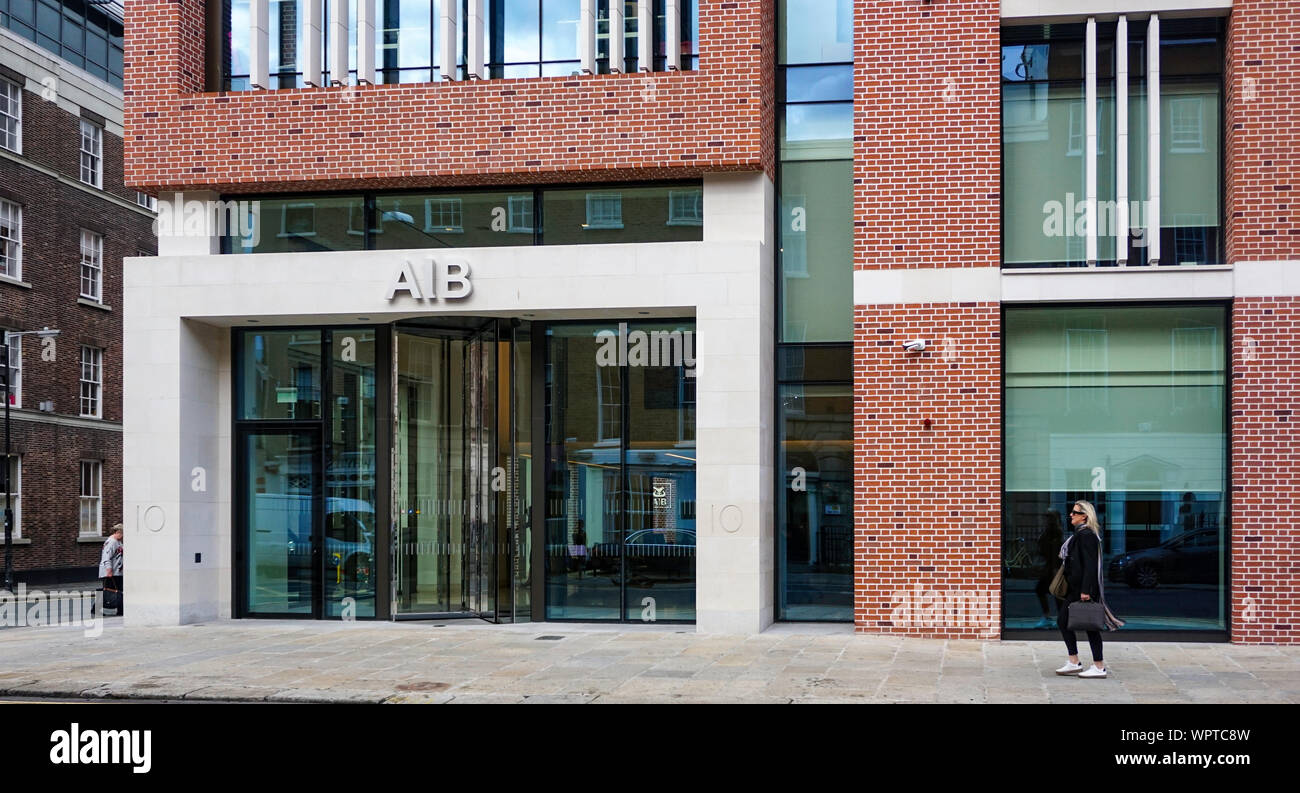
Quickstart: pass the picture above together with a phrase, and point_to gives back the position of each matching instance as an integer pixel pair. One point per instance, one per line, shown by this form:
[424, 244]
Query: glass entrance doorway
[461, 468]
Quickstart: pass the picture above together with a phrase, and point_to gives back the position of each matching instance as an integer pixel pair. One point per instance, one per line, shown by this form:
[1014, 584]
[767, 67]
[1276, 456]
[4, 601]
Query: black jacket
[1081, 566]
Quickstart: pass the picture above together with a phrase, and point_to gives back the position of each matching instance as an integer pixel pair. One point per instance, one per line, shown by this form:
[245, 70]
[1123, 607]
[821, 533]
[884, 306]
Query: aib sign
[431, 279]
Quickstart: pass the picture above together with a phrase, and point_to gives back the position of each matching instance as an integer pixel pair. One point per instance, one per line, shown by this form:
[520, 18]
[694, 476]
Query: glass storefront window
[281, 375]
[815, 502]
[1124, 407]
[620, 514]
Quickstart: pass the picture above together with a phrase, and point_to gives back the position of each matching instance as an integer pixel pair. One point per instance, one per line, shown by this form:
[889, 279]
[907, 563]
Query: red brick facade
[926, 497]
[51, 446]
[522, 131]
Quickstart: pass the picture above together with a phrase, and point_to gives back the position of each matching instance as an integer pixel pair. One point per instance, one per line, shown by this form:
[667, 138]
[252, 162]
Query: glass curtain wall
[306, 418]
[620, 479]
[1044, 133]
[815, 323]
[1124, 407]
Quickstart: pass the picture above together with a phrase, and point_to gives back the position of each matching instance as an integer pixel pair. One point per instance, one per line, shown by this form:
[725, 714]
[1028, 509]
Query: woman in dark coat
[1082, 551]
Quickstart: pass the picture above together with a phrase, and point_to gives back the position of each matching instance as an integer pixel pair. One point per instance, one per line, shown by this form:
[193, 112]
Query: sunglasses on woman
[1077, 512]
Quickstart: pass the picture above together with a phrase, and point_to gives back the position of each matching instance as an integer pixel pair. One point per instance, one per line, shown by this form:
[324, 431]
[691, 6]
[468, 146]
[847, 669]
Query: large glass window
[79, 32]
[1045, 163]
[815, 500]
[469, 219]
[1124, 407]
[280, 375]
[620, 519]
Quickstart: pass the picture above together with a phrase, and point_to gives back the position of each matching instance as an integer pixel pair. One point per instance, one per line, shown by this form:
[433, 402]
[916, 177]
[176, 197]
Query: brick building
[925, 275]
[68, 221]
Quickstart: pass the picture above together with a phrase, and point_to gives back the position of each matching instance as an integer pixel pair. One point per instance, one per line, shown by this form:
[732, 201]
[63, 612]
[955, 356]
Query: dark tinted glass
[279, 375]
[622, 214]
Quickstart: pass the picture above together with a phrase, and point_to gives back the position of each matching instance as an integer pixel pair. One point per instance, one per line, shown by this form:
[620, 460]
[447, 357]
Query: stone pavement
[467, 662]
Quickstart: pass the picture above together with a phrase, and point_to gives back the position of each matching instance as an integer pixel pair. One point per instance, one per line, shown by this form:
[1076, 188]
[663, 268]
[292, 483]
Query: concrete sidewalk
[466, 662]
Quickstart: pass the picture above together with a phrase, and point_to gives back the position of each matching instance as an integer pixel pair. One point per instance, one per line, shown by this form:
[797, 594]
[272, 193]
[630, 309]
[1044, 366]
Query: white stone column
[645, 34]
[673, 34]
[1121, 141]
[339, 65]
[314, 35]
[474, 55]
[1090, 140]
[617, 37]
[259, 56]
[734, 418]
[1153, 140]
[587, 36]
[176, 441]
[365, 41]
[447, 40]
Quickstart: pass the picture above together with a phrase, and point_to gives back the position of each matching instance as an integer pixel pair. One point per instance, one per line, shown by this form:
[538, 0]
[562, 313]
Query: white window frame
[443, 209]
[92, 503]
[1180, 142]
[11, 261]
[523, 206]
[92, 265]
[92, 153]
[147, 201]
[597, 217]
[15, 372]
[16, 499]
[90, 399]
[11, 117]
[284, 220]
[692, 200]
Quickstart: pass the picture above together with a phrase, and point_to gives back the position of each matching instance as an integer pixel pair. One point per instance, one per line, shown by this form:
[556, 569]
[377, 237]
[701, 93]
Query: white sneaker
[1070, 669]
[1093, 671]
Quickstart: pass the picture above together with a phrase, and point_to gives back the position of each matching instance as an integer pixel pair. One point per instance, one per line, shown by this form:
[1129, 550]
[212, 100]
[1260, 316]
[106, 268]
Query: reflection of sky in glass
[818, 31]
[240, 34]
[819, 84]
[559, 30]
[406, 40]
[818, 122]
[292, 31]
[1024, 62]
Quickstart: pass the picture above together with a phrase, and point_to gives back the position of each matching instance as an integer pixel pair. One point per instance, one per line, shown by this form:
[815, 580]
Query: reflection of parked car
[656, 553]
[1190, 558]
[282, 529]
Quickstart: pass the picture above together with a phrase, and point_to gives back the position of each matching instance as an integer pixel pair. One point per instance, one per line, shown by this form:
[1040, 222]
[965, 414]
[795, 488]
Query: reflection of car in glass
[1190, 558]
[651, 553]
[282, 534]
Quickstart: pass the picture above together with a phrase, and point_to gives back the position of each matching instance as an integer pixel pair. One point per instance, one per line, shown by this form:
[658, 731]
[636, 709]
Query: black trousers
[1071, 644]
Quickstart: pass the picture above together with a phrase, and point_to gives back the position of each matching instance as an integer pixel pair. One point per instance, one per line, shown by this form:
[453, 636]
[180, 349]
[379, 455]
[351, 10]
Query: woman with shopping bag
[1084, 601]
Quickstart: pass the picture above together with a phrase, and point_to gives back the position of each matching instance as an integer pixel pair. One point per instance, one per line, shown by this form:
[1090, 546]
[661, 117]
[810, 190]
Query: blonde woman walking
[1082, 552]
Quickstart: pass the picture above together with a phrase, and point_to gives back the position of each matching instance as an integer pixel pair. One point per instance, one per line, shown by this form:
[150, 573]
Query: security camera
[915, 345]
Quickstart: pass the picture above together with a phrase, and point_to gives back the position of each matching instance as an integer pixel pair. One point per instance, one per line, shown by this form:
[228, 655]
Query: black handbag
[112, 595]
[1087, 615]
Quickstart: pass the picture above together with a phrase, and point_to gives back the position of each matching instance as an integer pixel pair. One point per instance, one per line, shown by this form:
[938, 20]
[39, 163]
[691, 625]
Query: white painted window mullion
[645, 32]
[673, 34]
[1153, 140]
[259, 51]
[1090, 139]
[1121, 214]
[587, 36]
[365, 41]
[447, 34]
[617, 37]
[315, 37]
[339, 65]
[474, 33]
